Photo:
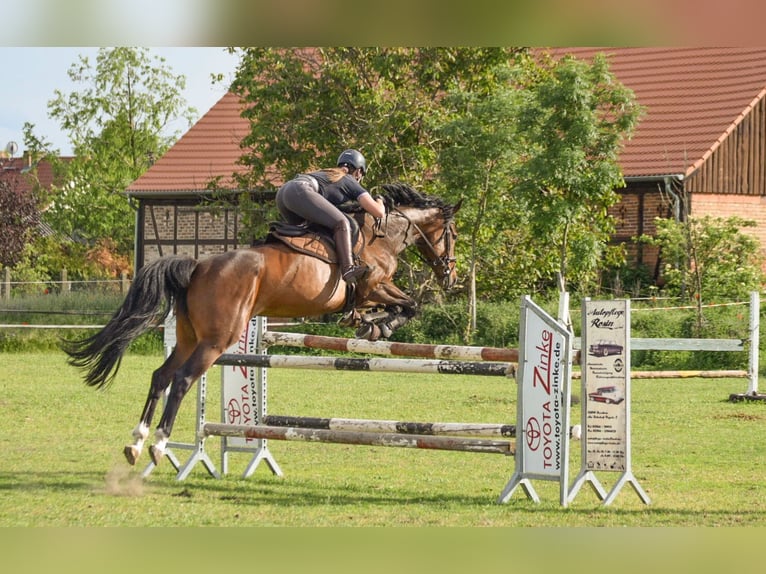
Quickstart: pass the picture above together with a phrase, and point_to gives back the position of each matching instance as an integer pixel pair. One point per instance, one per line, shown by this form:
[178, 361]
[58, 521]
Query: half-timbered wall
[177, 226]
[635, 214]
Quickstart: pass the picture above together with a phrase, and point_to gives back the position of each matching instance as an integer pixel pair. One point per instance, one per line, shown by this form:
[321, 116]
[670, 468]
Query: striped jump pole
[360, 438]
[442, 367]
[422, 351]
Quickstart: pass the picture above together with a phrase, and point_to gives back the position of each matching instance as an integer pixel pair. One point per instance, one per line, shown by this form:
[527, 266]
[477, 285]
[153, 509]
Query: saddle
[313, 240]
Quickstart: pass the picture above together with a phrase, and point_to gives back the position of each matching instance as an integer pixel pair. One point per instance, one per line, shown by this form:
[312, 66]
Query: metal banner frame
[605, 363]
[544, 397]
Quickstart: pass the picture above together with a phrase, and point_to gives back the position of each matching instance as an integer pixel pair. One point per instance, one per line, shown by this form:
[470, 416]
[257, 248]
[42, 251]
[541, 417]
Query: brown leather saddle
[312, 240]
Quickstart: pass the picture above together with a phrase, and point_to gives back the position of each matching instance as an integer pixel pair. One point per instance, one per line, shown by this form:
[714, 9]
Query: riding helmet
[353, 160]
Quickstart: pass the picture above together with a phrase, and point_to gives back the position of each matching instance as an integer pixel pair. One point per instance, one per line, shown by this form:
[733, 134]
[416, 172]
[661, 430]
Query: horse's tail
[148, 301]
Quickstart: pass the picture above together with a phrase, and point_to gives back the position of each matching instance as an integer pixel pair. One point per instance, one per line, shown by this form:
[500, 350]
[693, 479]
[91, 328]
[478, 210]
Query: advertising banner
[543, 386]
[239, 399]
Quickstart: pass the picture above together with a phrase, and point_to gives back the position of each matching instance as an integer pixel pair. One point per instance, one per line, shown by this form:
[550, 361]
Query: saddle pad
[310, 244]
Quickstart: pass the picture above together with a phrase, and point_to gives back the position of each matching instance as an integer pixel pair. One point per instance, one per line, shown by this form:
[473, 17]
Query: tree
[478, 153]
[18, 214]
[707, 258]
[573, 118]
[117, 124]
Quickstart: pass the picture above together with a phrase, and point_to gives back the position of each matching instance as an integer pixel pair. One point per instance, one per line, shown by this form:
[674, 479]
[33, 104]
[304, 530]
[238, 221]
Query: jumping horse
[214, 298]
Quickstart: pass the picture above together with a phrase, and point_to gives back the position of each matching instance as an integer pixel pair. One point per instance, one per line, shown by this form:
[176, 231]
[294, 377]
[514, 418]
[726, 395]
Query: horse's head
[436, 242]
[432, 228]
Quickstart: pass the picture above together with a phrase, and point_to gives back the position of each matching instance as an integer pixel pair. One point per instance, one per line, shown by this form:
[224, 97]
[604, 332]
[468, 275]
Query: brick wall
[745, 206]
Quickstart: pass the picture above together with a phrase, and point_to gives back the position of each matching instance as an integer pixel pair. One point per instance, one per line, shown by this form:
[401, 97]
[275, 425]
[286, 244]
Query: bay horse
[214, 298]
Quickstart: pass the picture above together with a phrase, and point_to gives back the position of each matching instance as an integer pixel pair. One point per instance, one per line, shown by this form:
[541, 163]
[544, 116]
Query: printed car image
[604, 349]
[607, 395]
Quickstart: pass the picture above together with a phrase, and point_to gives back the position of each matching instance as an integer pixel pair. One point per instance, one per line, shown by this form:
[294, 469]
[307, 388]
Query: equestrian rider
[314, 196]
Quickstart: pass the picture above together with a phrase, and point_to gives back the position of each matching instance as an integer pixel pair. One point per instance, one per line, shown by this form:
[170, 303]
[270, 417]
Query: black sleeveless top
[341, 191]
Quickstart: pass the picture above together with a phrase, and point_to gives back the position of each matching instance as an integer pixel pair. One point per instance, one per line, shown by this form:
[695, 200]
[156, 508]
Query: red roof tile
[209, 149]
[21, 166]
[693, 98]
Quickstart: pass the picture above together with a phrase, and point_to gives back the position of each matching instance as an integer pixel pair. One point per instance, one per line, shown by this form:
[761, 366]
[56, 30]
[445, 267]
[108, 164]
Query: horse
[215, 297]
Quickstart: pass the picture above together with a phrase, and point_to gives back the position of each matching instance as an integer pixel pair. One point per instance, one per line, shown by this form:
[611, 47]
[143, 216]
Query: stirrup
[354, 272]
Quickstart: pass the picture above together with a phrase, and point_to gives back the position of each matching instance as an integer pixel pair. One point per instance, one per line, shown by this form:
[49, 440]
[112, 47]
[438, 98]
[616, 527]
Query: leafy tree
[18, 214]
[709, 258]
[477, 154]
[572, 121]
[116, 123]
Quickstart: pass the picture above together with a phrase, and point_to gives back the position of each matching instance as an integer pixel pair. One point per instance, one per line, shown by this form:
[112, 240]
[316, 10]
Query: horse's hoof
[364, 331]
[131, 453]
[374, 333]
[156, 454]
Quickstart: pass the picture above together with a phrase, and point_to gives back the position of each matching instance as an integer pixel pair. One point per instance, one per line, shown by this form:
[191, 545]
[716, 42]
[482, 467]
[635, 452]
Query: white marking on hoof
[157, 450]
[140, 434]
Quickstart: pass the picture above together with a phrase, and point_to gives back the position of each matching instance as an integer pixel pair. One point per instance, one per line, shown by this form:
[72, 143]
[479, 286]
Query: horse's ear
[456, 207]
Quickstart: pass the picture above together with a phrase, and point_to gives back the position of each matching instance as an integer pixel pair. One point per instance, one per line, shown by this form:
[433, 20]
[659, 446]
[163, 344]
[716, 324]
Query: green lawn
[700, 458]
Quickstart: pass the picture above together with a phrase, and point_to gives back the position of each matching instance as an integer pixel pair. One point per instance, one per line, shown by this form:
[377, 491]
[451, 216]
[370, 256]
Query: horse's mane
[402, 195]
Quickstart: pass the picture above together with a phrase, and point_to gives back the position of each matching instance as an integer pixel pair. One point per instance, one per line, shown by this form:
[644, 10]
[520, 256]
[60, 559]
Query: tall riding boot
[342, 237]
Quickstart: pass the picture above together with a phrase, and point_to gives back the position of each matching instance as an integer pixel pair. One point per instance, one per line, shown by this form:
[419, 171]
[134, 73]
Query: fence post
[755, 316]
[66, 286]
[124, 283]
[7, 283]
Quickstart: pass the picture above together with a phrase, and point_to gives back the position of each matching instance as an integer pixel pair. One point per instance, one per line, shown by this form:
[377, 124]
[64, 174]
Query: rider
[315, 196]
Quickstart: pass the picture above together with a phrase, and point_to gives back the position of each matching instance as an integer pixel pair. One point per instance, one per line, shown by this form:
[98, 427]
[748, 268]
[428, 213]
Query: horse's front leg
[399, 306]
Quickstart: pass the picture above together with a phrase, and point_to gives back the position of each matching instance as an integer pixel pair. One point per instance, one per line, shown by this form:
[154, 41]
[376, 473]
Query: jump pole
[435, 366]
[423, 351]
[403, 427]
[432, 442]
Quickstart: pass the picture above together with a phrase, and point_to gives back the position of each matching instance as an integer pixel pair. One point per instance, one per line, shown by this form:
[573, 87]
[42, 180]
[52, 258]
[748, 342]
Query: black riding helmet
[353, 160]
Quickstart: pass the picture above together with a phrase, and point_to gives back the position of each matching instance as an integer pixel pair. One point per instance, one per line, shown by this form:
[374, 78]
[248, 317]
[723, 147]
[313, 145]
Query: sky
[29, 77]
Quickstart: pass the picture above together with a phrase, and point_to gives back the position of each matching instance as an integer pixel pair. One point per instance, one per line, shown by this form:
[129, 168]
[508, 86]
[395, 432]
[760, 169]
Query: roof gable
[208, 150]
[693, 97]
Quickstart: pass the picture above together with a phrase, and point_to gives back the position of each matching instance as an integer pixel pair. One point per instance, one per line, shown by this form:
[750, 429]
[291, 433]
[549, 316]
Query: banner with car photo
[605, 362]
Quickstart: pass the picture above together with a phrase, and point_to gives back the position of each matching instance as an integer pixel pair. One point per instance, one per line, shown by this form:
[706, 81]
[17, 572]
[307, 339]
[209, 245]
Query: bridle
[446, 262]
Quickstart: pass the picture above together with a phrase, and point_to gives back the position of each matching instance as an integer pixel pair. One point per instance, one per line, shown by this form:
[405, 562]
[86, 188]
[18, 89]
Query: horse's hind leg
[161, 378]
[198, 363]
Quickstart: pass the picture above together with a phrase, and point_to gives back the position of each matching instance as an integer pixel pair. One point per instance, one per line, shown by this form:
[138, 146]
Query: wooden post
[66, 286]
[7, 283]
[124, 283]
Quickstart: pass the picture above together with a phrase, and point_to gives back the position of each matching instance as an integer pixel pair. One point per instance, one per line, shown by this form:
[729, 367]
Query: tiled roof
[22, 165]
[209, 149]
[693, 98]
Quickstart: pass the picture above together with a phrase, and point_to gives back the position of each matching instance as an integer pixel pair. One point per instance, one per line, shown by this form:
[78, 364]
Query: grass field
[700, 458]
